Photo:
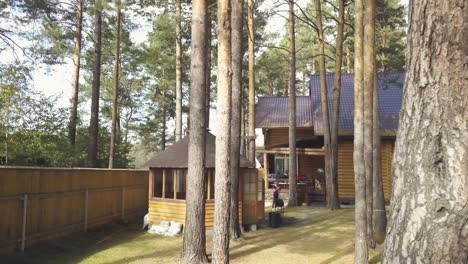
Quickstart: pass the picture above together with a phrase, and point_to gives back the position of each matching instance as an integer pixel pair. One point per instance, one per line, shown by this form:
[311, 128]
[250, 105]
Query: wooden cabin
[167, 186]
[272, 117]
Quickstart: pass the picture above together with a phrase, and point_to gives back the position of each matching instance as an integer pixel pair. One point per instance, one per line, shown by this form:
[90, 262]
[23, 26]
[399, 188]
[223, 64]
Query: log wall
[346, 171]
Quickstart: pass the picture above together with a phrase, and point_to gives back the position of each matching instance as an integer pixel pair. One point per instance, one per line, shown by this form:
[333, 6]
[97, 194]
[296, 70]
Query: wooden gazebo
[167, 186]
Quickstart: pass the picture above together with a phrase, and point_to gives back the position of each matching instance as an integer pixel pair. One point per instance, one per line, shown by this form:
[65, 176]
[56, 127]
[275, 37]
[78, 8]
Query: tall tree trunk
[330, 189]
[334, 202]
[223, 140]
[348, 60]
[292, 108]
[242, 142]
[429, 208]
[379, 216]
[76, 73]
[194, 242]
[115, 106]
[164, 115]
[369, 82]
[251, 33]
[178, 17]
[360, 250]
[208, 65]
[236, 40]
[94, 121]
[6, 140]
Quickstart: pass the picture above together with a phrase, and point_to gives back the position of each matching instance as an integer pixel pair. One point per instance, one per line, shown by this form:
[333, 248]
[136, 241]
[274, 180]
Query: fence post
[123, 203]
[86, 210]
[23, 231]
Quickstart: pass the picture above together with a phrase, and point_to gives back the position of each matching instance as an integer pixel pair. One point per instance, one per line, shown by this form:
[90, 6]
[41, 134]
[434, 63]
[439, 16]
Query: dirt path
[309, 235]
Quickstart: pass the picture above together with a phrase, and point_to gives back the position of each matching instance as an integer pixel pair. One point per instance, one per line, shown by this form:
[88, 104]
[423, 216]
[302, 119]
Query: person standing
[276, 189]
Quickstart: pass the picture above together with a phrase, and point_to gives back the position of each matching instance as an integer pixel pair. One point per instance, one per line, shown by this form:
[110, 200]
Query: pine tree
[292, 108]
[428, 222]
[115, 105]
[194, 241]
[96, 86]
[360, 250]
[220, 253]
[237, 23]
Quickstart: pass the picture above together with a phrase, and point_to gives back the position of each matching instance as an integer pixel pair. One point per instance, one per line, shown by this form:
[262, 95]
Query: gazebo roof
[176, 156]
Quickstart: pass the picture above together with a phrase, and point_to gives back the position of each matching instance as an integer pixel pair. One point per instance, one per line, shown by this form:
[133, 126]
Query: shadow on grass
[76, 246]
[322, 233]
[316, 235]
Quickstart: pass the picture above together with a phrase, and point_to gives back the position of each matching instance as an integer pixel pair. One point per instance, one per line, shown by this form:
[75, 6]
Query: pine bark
[348, 60]
[96, 85]
[333, 202]
[242, 142]
[251, 32]
[164, 115]
[208, 65]
[292, 108]
[369, 80]
[429, 205]
[223, 140]
[115, 104]
[237, 23]
[178, 17]
[379, 216]
[76, 73]
[360, 250]
[194, 241]
[330, 189]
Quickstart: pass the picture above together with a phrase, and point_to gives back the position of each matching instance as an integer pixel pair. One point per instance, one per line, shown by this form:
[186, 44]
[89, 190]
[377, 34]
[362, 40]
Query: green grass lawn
[309, 235]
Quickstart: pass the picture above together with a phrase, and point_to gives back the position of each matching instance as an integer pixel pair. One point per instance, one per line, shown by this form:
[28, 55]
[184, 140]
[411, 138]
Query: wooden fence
[41, 203]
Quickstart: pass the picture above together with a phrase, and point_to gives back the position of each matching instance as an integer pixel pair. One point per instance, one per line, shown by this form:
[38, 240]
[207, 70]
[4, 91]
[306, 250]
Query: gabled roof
[272, 112]
[176, 156]
[390, 97]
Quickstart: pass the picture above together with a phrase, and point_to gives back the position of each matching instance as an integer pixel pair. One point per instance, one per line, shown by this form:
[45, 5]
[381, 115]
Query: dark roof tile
[273, 112]
[390, 98]
[176, 156]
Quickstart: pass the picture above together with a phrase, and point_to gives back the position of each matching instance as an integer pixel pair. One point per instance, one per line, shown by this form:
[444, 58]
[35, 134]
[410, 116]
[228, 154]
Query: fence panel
[40, 203]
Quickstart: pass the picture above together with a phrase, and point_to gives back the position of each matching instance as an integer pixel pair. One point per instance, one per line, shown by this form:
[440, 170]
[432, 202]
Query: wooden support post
[151, 184]
[86, 210]
[265, 166]
[209, 184]
[25, 212]
[123, 203]
[175, 174]
[164, 184]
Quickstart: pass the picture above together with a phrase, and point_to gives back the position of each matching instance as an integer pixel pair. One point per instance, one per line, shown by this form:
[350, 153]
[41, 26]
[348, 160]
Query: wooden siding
[60, 201]
[174, 210]
[279, 136]
[346, 171]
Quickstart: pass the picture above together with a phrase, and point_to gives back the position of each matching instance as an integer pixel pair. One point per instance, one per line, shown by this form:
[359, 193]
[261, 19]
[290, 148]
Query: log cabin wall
[279, 136]
[346, 171]
[170, 209]
[308, 165]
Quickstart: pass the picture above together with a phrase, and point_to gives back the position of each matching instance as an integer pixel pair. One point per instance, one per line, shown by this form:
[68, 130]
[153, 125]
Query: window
[260, 188]
[169, 186]
[170, 183]
[250, 187]
[181, 184]
[210, 187]
[158, 183]
[282, 165]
